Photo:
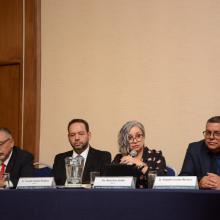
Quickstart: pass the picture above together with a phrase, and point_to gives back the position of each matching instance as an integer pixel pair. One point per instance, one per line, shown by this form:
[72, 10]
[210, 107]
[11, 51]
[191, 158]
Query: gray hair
[6, 131]
[123, 135]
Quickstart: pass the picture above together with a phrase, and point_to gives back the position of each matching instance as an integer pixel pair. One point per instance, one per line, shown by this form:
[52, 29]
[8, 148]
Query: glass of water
[69, 169]
[93, 175]
[151, 178]
[6, 177]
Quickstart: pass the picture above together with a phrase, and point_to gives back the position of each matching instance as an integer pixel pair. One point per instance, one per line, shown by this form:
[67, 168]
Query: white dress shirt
[84, 154]
[6, 161]
[6, 164]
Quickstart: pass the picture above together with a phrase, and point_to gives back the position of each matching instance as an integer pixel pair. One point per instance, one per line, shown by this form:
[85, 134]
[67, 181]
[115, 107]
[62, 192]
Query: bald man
[13, 160]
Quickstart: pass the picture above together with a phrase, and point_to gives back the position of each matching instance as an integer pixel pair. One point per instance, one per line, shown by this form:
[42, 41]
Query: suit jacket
[20, 165]
[198, 160]
[96, 160]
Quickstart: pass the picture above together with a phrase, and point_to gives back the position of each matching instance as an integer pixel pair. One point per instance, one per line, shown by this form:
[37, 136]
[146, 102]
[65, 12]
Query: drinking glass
[74, 169]
[151, 178]
[78, 163]
[69, 169]
[93, 175]
[6, 177]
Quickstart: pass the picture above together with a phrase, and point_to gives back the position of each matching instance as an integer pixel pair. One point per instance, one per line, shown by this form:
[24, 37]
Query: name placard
[125, 182]
[176, 182]
[77, 186]
[35, 182]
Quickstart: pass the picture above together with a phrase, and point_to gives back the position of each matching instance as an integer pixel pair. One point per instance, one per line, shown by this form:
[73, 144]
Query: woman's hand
[136, 161]
[126, 160]
[131, 160]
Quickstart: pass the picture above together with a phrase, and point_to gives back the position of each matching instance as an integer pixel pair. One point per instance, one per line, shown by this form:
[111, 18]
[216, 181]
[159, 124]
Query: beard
[79, 147]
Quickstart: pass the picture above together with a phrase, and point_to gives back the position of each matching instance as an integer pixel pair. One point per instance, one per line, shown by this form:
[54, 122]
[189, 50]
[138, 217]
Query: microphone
[133, 153]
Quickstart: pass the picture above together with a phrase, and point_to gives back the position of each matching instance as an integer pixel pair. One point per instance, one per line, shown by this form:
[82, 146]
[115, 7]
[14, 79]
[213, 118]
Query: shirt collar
[84, 154]
[7, 160]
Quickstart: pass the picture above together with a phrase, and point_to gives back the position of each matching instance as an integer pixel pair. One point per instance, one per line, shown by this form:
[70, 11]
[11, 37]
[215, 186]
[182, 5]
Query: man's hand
[211, 181]
[2, 182]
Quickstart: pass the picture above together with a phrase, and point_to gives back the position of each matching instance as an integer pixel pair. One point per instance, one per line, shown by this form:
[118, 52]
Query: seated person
[94, 160]
[18, 163]
[131, 138]
[202, 158]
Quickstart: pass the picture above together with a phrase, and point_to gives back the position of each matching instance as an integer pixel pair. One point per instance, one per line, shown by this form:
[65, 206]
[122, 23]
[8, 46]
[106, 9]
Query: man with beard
[13, 160]
[94, 160]
[203, 158]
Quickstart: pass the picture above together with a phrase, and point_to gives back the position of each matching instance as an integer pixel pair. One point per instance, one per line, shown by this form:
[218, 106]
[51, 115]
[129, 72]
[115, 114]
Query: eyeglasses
[137, 137]
[3, 142]
[208, 134]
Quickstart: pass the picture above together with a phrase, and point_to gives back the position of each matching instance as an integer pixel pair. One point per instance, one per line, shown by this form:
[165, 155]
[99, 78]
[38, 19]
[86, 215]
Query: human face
[136, 139]
[78, 137]
[6, 145]
[212, 138]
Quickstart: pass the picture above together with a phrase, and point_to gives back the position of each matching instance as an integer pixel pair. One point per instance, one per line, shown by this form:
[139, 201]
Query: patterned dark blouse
[154, 160]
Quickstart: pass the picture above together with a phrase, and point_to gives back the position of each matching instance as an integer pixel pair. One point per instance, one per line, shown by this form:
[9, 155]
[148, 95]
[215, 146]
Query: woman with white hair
[131, 140]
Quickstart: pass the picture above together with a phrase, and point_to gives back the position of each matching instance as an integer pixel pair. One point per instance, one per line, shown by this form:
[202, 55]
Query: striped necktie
[80, 159]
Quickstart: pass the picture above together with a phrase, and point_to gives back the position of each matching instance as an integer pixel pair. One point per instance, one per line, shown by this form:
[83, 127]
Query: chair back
[42, 170]
[171, 171]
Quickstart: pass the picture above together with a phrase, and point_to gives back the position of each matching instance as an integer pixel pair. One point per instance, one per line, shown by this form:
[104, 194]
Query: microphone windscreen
[133, 153]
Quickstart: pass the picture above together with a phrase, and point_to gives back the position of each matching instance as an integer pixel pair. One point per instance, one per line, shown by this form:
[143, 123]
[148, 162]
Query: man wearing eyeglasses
[13, 160]
[202, 158]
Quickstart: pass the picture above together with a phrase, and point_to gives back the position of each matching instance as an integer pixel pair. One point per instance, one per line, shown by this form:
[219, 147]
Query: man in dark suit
[202, 158]
[94, 160]
[18, 163]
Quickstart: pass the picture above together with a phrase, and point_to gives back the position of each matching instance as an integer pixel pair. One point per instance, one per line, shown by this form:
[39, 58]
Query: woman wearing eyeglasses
[131, 140]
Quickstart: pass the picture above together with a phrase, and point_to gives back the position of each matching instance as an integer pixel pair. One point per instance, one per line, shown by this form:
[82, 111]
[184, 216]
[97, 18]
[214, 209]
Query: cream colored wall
[110, 61]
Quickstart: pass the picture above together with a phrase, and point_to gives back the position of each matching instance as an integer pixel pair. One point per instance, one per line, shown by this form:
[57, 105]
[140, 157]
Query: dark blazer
[20, 165]
[198, 160]
[96, 160]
